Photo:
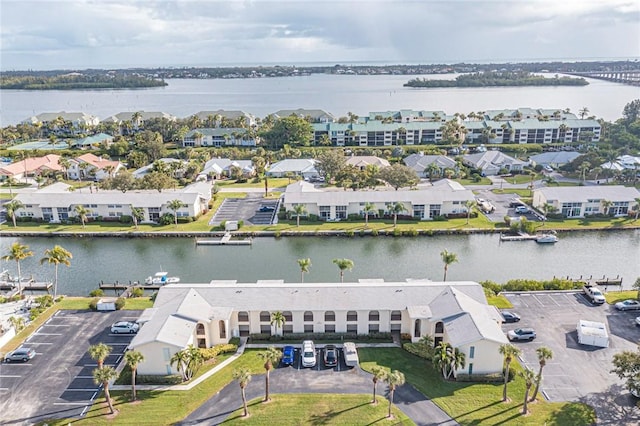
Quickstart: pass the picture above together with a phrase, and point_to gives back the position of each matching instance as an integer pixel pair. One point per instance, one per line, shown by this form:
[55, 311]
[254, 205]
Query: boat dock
[224, 241]
[604, 281]
[118, 286]
[521, 237]
[26, 285]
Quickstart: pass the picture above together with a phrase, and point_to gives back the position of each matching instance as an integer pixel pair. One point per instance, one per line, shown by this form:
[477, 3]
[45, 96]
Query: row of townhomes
[582, 201]
[445, 197]
[204, 315]
[55, 203]
[385, 128]
[86, 166]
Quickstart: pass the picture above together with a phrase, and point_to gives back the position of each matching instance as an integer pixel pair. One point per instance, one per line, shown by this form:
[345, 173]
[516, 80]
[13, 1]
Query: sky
[79, 34]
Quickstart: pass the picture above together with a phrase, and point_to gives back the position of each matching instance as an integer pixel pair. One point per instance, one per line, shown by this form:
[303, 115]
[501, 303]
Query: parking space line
[21, 364]
[80, 390]
[56, 325]
[91, 377]
[95, 365]
[537, 300]
[47, 334]
[71, 403]
[4, 389]
[7, 376]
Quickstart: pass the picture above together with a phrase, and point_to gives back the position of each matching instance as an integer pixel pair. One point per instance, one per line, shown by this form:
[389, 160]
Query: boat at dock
[546, 239]
[224, 241]
[161, 278]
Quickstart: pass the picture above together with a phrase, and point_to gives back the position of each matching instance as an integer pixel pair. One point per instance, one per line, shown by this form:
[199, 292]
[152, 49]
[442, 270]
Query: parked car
[515, 202]
[628, 305]
[330, 356]
[638, 321]
[22, 354]
[522, 209]
[123, 327]
[288, 354]
[308, 354]
[510, 316]
[521, 334]
[266, 209]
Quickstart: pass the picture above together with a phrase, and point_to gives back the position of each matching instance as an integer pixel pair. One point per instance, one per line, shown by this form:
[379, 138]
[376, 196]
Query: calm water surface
[337, 94]
[481, 257]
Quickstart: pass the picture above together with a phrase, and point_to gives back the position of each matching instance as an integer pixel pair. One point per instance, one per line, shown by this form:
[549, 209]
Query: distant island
[75, 80]
[498, 79]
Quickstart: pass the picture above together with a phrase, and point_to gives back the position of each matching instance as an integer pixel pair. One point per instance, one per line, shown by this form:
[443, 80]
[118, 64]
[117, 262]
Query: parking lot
[58, 381]
[576, 372]
[253, 210]
[320, 365]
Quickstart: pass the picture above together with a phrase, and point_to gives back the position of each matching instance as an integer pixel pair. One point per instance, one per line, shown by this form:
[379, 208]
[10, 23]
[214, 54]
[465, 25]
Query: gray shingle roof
[583, 193]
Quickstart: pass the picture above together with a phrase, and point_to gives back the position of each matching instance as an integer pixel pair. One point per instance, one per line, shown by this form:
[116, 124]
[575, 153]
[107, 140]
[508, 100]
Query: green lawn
[471, 182]
[272, 182]
[618, 296]
[470, 403]
[319, 409]
[499, 302]
[515, 191]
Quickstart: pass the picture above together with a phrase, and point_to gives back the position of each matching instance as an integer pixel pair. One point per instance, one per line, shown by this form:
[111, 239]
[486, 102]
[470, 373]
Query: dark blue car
[287, 355]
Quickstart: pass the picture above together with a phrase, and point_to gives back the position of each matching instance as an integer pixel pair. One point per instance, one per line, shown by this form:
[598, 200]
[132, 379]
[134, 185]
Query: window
[243, 316]
[396, 327]
[200, 329]
[434, 210]
[287, 329]
[341, 212]
[437, 340]
[325, 212]
[308, 316]
[288, 316]
[396, 316]
[329, 316]
[352, 328]
[440, 327]
[265, 329]
[265, 316]
[308, 328]
[470, 368]
[329, 328]
[244, 330]
[416, 330]
[223, 329]
[472, 352]
[374, 316]
[374, 328]
[352, 316]
[166, 354]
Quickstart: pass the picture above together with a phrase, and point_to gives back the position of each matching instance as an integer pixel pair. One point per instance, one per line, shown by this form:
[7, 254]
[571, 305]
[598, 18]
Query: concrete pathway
[290, 380]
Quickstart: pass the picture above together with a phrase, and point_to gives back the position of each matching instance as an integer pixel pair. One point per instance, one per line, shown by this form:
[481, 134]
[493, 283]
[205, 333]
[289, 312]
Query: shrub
[94, 303]
[211, 353]
[260, 336]
[349, 233]
[234, 341]
[126, 219]
[153, 296]
[405, 336]
[173, 379]
[481, 378]
[397, 232]
[120, 303]
[374, 232]
[412, 232]
[137, 292]
[494, 287]
[96, 293]
[166, 219]
[419, 349]
[45, 301]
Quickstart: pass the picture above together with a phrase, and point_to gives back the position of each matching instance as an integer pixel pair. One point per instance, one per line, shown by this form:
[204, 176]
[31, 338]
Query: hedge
[321, 336]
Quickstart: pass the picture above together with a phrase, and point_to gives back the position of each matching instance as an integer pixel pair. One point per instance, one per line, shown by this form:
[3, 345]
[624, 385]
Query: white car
[308, 354]
[522, 209]
[124, 327]
[628, 305]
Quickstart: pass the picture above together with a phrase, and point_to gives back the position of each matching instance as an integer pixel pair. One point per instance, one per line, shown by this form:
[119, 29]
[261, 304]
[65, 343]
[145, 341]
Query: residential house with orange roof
[31, 167]
[91, 166]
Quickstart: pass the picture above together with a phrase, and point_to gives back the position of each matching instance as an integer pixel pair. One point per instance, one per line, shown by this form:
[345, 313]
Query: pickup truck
[594, 294]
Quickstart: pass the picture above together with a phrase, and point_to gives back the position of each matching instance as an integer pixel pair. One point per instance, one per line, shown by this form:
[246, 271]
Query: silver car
[124, 327]
[22, 354]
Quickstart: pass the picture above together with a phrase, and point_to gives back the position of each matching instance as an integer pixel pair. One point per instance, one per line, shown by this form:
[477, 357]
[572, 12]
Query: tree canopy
[399, 176]
[292, 130]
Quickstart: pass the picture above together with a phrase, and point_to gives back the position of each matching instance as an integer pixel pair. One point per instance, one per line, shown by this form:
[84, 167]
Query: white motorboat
[161, 278]
[546, 239]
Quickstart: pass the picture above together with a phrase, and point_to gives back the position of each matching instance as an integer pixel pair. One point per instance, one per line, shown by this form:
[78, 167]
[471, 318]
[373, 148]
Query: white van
[308, 354]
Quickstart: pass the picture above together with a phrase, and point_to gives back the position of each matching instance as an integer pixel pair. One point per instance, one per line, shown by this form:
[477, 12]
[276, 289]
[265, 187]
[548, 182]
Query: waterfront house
[55, 203]
[582, 201]
[204, 315]
[491, 162]
[444, 198]
[219, 136]
[422, 164]
[90, 166]
[313, 115]
[31, 167]
[361, 162]
[137, 118]
[302, 167]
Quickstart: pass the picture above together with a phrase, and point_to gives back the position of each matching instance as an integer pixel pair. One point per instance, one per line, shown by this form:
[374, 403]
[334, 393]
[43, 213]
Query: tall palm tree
[606, 205]
[508, 351]
[368, 209]
[378, 373]
[180, 359]
[396, 209]
[137, 214]
[104, 376]
[584, 168]
[458, 361]
[304, 265]
[56, 256]
[637, 208]
[175, 205]
[447, 258]
[393, 379]
[442, 358]
[299, 210]
[584, 111]
[270, 357]
[243, 376]
[529, 377]
[278, 320]
[469, 205]
[343, 264]
[18, 252]
[133, 358]
[544, 354]
[99, 353]
[82, 212]
[12, 207]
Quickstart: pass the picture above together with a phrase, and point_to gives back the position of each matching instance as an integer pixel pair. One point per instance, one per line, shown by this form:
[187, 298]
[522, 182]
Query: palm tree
[508, 351]
[529, 377]
[18, 252]
[393, 379]
[17, 323]
[137, 214]
[584, 168]
[99, 353]
[458, 361]
[104, 376]
[544, 354]
[181, 359]
[278, 320]
[637, 208]
[469, 205]
[447, 259]
[299, 210]
[175, 205]
[243, 376]
[343, 264]
[584, 111]
[368, 209]
[270, 357]
[304, 264]
[397, 208]
[133, 358]
[82, 212]
[56, 256]
[442, 358]
[378, 373]
[12, 207]
[606, 205]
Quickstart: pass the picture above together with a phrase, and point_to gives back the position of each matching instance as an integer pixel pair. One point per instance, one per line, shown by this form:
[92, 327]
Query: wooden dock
[26, 285]
[118, 286]
[224, 241]
[604, 281]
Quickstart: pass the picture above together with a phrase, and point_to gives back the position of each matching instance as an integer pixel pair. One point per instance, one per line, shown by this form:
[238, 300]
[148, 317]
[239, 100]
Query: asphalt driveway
[578, 372]
[58, 382]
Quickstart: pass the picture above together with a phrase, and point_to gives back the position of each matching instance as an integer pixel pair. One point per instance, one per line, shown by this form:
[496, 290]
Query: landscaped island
[78, 81]
[491, 79]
